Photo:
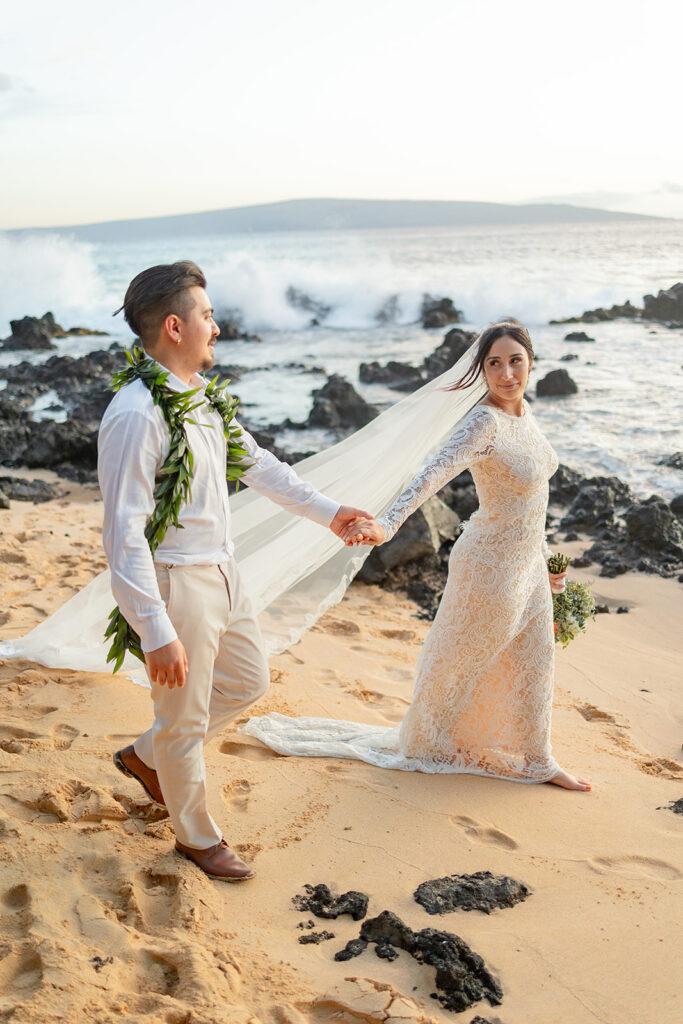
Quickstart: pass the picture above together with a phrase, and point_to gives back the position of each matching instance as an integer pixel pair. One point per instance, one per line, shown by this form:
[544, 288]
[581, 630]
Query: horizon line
[338, 199]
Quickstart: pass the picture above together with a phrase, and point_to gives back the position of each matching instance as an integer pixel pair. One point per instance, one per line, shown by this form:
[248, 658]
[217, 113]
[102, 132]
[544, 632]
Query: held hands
[346, 515]
[558, 581]
[167, 665]
[363, 531]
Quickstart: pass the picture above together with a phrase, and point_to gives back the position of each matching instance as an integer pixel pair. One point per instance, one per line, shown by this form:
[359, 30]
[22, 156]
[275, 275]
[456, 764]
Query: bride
[484, 680]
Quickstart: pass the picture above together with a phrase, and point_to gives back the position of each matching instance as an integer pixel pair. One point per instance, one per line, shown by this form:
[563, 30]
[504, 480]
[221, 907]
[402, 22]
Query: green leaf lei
[175, 476]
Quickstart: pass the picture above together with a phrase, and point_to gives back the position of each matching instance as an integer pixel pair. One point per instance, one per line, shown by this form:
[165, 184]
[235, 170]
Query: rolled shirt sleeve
[278, 481]
[132, 447]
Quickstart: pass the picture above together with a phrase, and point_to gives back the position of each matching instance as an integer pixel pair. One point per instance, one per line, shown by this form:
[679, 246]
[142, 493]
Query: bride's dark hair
[507, 328]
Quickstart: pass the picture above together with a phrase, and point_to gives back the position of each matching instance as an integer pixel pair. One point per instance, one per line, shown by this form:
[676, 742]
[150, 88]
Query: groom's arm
[130, 449]
[278, 481]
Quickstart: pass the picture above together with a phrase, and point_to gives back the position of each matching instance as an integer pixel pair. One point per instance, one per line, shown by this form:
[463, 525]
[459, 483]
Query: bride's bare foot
[567, 781]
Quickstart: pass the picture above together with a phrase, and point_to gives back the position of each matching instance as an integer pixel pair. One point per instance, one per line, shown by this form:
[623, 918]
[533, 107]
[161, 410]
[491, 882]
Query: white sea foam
[533, 273]
[52, 272]
[629, 407]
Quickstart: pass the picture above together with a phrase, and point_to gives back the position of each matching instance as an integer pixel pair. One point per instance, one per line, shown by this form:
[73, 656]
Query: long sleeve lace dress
[484, 680]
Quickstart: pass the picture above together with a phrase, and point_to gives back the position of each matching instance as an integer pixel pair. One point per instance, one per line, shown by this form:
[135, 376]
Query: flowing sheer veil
[292, 568]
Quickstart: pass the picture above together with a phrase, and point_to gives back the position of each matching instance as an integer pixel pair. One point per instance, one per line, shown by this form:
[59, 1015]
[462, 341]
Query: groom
[201, 641]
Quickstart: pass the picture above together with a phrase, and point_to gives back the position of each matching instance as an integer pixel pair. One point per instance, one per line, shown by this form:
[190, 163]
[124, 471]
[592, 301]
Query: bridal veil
[293, 570]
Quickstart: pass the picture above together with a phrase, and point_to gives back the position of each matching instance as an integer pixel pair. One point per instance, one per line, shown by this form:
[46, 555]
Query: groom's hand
[167, 665]
[344, 517]
[363, 531]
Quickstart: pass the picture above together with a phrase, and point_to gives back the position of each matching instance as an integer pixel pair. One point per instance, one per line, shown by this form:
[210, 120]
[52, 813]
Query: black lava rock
[593, 316]
[52, 444]
[577, 336]
[667, 305]
[674, 461]
[19, 489]
[386, 952]
[564, 485]
[480, 891]
[405, 377]
[29, 333]
[595, 503]
[653, 525]
[353, 948]
[319, 900]
[338, 405]
[438, 312]
[300, 300]
[462, 978]
[315, 938]
[394, 375]
[453, 347]
[557, 383]
[676, 806]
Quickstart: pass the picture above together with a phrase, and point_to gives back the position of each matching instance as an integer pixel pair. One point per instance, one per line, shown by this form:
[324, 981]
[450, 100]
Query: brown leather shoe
[218, 862]
[128, 762]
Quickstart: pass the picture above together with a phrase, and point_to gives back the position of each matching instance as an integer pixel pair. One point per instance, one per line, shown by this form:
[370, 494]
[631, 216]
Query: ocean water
[629, 409]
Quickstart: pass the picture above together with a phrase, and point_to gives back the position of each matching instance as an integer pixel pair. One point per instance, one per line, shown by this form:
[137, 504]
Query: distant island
[335, 215]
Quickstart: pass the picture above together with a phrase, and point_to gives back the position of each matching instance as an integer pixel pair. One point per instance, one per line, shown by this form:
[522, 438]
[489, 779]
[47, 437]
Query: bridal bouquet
[573, 607]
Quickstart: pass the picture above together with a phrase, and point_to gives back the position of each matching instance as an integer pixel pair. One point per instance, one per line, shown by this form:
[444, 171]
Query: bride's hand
[363, 531]
[558, 582]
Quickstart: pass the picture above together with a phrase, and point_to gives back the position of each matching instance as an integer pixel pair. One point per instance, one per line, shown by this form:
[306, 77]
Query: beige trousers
[227, 672]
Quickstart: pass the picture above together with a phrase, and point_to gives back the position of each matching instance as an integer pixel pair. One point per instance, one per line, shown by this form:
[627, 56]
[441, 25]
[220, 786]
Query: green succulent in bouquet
[573, 608]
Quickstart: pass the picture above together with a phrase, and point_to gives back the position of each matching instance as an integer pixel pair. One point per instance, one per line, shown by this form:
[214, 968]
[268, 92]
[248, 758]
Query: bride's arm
[472, 441]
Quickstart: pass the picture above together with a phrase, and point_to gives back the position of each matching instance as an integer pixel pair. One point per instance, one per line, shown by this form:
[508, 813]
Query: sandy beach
[100, 921]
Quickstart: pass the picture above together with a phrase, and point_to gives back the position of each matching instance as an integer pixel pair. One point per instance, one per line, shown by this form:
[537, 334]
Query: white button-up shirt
[133, 444]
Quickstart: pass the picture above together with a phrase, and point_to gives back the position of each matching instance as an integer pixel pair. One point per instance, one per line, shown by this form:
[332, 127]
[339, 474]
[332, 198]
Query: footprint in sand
[18, 732]
[63, 736]
[40, 710]
[635, 867]
[337, 627]
[152, 899]
[248, 851]
[247, 751]
[161, 972]
[663, 766]
[17, 920]
[73, 801]
[236, 794]
[593, 714]
[376, 697]
[21, 973]
[404, 635]
[11, 737]
[485, 833]
[15, 557]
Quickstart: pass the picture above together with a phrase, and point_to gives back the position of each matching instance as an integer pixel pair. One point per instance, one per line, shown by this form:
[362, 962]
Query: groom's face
[199, 332]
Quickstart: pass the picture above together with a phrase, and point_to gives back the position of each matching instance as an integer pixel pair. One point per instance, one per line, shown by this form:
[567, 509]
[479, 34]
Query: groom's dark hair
[156, 293]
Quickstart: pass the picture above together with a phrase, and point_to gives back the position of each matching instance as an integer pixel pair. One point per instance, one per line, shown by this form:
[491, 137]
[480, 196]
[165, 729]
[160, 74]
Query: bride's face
[506, 369]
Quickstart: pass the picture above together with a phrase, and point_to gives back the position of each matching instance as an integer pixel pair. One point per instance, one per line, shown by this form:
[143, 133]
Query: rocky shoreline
[621, 531]
[666, 307]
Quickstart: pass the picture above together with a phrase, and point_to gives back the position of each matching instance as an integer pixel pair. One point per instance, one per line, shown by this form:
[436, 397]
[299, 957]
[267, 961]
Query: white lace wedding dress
[484, 680]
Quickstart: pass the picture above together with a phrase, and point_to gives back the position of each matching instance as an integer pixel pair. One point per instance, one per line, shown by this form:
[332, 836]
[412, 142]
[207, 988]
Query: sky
[150, 107]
